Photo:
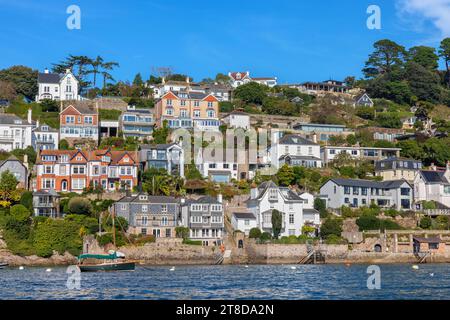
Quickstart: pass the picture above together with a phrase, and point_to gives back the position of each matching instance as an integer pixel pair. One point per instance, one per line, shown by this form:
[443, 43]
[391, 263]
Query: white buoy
[48, 270]
[415, 267]
[431, 274]
[21, 268]
[293, 268]
[246, 266]
[172, 269]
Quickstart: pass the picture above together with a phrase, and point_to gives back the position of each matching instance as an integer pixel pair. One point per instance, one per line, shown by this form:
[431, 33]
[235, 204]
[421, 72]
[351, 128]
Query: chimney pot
[29, 118]
[46, 70]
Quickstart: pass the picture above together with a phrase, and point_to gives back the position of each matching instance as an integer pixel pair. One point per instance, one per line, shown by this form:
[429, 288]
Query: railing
[437, 212]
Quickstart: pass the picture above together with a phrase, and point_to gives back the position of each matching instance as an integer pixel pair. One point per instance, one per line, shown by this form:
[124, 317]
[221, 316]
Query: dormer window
[106, 159]
[79, 158]
[17, 121]
[143, 197]
[44, 128]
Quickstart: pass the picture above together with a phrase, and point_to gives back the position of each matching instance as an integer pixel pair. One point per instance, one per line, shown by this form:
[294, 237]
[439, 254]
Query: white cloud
[435, 11]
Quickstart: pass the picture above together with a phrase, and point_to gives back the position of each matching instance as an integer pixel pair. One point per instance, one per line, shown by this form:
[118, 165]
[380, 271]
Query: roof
[431, 176]
[310, 211]
[48, 77]
[264, 78]
[358, 97]
[238, 75]
[287, 193]
[398, 163]
[12, 158]
[7, 118]
[82, 109]
[301, 124]
[95, 155]
[50, 129]
[244, 215]
[428, 240]
[204, 199]
[190, 95]
[389, 184]
[238, 112]
[295, 140]
[164, 146]
[50, 192]
[149, 199]
[299, 157]
[384, 130]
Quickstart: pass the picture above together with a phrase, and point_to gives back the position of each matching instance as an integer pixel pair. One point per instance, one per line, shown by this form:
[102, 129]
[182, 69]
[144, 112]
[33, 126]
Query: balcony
[7, 138]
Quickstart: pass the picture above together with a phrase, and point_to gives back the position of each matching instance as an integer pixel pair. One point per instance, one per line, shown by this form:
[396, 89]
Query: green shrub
[265, 236]
[79, 205]
[20, 213]
[182, 232]
[334, 239]
[425, 223]
[192, 242]
[27, 200]
[254, 233]
[370, 222]
[57, 235]
[331, 226]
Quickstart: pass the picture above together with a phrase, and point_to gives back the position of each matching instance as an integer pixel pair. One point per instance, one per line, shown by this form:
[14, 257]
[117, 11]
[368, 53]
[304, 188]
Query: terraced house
[188, 110]
[79, 122]
[137, 123]
[149, 215]
[74, 170]
[204, 218]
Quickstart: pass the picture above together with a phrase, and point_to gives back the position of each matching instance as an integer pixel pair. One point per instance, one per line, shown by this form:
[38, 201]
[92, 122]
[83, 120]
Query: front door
[156, 233]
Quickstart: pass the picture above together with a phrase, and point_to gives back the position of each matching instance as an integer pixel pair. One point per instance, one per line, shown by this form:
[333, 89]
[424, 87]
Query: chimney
[163, 81]
[46, 70]
[314, 137]
[25, 160]
[37, 123]
[219, 198]
[254, 192]
[182, 201]
[29, 116]
[67, 70]
[187, 79]
[433, 167]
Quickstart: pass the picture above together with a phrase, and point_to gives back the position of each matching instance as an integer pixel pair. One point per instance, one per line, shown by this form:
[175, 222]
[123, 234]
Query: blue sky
[293, 40]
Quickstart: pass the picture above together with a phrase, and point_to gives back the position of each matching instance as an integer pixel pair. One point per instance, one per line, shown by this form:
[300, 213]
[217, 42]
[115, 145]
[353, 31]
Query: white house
[243, 221]
[433, 186]
[296, 210]
[355, 193]
[15, 132]
[175, 86]
[240, 78]
[237, 119]
[294, 150]
[55, 86]
[45, 137]
[267, 81]
[363, 100]
[328, 153]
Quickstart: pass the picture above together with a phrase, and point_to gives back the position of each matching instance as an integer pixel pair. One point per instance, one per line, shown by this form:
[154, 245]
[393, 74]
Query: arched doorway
[240, 244]
[377, 248]
[64, 185]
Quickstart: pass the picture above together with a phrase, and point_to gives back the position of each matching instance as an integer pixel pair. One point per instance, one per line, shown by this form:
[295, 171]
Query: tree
[251, 92]
[182, 232]
[23, 78]
[255, 233]
[7, 90]
[49, 105]
[8, 184]
[106, 67]
[424, 56]
[276, 223]
[63, 144]
[331, 226]
[96, 65]
[20, 213]
[222, 78]
[444, 53]
[424, 109]
[79, 205]
[386, 57]
[425, 222]
[27, 200]
[424, 84]
[285, 175]
[160, 135]
[138, 80]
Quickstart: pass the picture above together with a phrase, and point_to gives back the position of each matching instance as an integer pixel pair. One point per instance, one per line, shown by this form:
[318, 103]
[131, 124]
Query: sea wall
[55, 260]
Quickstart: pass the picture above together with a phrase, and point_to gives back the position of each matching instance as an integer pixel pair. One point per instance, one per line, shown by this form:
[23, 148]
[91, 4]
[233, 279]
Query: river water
[430, 281]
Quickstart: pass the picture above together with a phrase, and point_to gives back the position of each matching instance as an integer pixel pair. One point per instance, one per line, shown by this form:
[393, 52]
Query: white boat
[3, 265]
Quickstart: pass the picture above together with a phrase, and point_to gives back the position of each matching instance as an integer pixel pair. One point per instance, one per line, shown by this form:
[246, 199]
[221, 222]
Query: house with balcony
[165, 86]
[386, 134]
[188, 110]
[45, 137]
[137, 123]
[328, 153]
[321, 132]
[56, 86]
[163, 156]
[75, 170]
[17, 168]
[78, 123]
[243, 221]
[294, 150]
[149, 215]
[398, 168]
[46, 203]
[15, 132]
[221, 91]
[205, 219]
[296, 210]
[433, 185]
[355, 193]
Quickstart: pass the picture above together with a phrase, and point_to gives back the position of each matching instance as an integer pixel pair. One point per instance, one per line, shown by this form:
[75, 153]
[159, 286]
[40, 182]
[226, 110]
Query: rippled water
[232, 282]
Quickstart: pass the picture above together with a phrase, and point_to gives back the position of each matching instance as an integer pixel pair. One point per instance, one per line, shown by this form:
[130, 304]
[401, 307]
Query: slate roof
[205, 200]
[6, 118]
[157, 146]
[293, 157]
[244, 215]
[434, 176]
[50, 192]
[392, 184]
[11, 158]
[150, 199]
[49, 78]
[82, 109]
[50, 129]
[310, 211]
[393, 163]
[296, 140]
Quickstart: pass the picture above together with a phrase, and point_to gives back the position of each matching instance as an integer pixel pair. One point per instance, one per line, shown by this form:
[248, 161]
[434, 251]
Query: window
[355, 190]
[346, 190]
[183, 102]
[144, 208]
[169, 111]
[48, 184]
[247, 222]
[447, 189]
[291, 218]
[144, 220]
[364, 191]
[183, 113]
[169, 102]
[78, 184]
[88, 120]
[196, 103]
[310, 150]
[78, 170]
[48, 169]
[346, 200]
[332, 151]
[404, 191]
[123, 206]
[164, 208]
[210, 104]
[196, 113]
[164, 221]
[212, 165]
[211, 114]
[70, 119]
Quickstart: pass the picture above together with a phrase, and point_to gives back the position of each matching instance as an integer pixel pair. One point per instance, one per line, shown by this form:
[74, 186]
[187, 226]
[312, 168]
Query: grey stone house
[163, 156]
[205, 219]
[149, 215]
[46, 203]
[17, 168]
[355, 193]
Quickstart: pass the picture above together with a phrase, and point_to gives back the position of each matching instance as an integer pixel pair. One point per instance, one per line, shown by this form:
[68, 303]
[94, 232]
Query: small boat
[111, 262]
[3, 265]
